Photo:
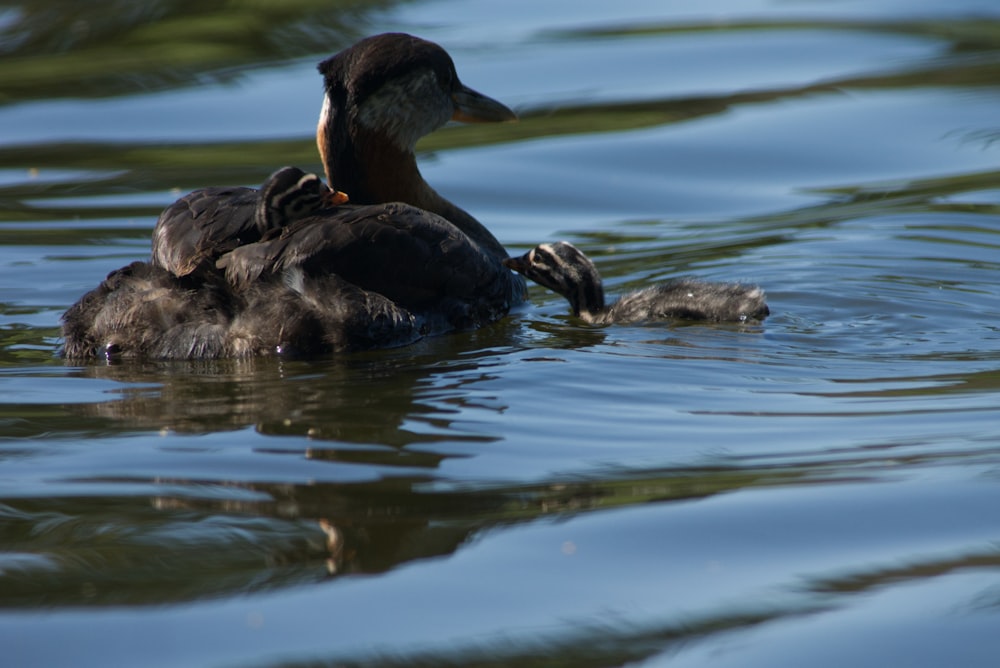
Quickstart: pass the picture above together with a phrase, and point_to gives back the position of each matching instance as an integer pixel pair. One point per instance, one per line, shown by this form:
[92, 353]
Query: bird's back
[409, 256]
[200, 227]
[690, 299]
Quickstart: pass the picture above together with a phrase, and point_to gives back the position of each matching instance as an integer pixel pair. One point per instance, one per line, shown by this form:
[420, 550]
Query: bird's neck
[373, 170]
[586, 299]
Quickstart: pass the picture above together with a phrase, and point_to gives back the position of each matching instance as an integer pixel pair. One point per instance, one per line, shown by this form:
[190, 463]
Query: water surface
[818, 489]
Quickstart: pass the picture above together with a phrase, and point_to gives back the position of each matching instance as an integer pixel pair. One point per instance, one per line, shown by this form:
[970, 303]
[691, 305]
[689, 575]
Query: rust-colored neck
[372, 170]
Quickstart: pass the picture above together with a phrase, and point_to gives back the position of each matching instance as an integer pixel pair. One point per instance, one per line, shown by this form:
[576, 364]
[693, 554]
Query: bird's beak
[335, 198]
[473, 107]
[518, 264]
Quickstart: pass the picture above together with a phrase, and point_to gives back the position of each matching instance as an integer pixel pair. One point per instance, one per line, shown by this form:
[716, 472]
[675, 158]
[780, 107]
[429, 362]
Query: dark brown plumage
[199, 228]
[446, 279]
[382, 95]
[400, 263]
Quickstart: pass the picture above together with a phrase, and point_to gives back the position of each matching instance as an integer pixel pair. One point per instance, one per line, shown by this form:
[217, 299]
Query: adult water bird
[564, 269]
[402, 261]
[381, 96]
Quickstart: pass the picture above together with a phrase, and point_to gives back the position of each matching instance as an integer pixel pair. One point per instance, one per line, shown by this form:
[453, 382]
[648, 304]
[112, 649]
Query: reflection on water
[814, 489]
[126, 47]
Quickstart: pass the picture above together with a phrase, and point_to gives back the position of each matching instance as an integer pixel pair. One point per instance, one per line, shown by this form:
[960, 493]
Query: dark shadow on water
[201, 539]
[615, 643]
[590, 645]
[882, 577]
[169, 539]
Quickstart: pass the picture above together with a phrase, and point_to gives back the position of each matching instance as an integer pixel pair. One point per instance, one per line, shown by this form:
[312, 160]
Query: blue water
[818, 489]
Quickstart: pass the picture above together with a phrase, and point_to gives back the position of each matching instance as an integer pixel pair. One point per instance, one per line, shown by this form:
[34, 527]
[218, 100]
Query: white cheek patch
[324, 119]
[407, 108]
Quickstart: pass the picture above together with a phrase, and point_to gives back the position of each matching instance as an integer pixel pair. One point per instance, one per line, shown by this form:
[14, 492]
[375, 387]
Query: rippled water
[820, 489]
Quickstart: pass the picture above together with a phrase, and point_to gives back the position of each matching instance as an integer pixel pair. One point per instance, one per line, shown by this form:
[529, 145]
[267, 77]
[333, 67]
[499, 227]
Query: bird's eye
[444, 78]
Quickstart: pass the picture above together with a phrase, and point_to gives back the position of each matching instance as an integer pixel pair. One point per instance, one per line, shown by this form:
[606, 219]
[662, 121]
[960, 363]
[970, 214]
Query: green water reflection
[55, 49]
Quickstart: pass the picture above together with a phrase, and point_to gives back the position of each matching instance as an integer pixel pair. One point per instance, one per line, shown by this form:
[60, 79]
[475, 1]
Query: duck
[567, 271]
[145, 310]
[381, 96]
[239, 272]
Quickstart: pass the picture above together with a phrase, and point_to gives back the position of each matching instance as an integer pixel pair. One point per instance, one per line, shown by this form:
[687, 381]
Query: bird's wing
[406, 254]
[203, 225]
